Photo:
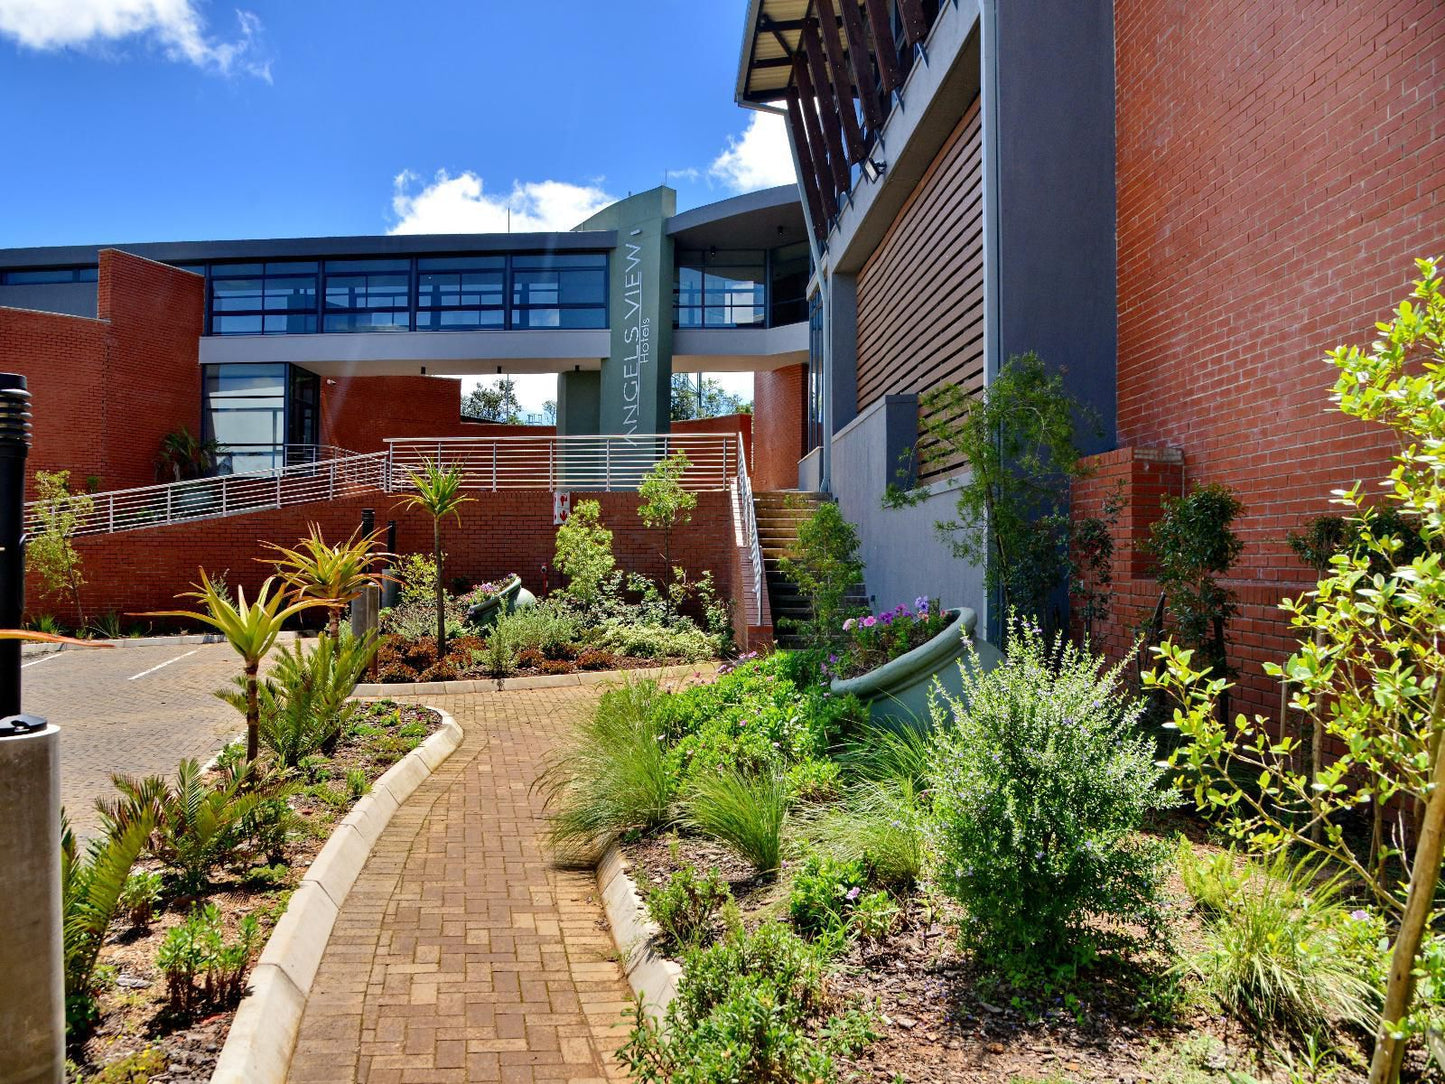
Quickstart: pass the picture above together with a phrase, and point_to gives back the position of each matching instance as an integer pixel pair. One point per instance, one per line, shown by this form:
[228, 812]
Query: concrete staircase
[779, 513]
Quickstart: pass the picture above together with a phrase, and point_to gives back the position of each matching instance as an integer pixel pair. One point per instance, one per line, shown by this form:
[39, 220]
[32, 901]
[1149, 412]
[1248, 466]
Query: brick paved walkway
[461, 954]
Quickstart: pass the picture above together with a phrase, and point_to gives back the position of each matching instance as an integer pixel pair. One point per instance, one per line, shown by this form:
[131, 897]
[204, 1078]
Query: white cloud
[759, 158]
[174, 25]
[460, 205]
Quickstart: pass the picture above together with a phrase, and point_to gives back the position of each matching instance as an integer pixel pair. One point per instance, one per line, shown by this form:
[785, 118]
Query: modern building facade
[1179, 207]
[267, 345]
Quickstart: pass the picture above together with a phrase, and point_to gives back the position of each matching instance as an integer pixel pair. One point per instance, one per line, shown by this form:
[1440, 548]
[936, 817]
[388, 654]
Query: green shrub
[202, 968]
[748, 1010]
[140, 897]
[1284, 947]
[584, 552]
[550, 627]
[91, 889]
[824, 894]
[1211, 880]
[416, 619]
[613, 774]
[680, 640]
[137, 1068]
[880, 824]
[687, 904]
[1041, 784]
[824, 563]
[356, 783]
[874, 916]
[304, 702]
[813, 780]
[416, 577]
[744, 812]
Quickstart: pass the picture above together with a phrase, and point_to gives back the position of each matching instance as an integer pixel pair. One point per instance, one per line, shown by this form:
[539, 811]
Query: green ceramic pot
[483, 615]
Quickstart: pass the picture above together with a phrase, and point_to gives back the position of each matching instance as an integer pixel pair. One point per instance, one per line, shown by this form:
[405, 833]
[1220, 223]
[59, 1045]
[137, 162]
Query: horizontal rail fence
[568, 462]
[332, 473]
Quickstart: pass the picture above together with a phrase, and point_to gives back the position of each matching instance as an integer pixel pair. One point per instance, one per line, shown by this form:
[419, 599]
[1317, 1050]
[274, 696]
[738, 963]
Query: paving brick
[462, 953]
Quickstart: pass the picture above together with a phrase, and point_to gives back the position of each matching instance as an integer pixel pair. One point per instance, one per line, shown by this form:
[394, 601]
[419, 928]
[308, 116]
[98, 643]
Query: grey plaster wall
[1057, 282]
[904, 555]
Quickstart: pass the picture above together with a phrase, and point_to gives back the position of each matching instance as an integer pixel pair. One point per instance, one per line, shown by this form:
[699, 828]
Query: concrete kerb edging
[263, 1035]
[652, 976]
[541, 681]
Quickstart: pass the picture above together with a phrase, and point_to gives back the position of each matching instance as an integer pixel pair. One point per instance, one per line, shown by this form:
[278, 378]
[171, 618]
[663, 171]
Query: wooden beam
[915, 23]
[808, 173]
[885, 49]
[817, 71]
[803, 88]
[842, 82]
[859, 57]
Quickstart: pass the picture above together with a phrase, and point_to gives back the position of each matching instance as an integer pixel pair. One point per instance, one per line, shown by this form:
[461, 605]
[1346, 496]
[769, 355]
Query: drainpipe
[992, 319]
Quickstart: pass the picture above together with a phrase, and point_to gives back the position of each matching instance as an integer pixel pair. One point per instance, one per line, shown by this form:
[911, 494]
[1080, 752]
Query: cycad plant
[333, 575]
[91, 886]
[250, 628]
[304, 701]
[438, 494]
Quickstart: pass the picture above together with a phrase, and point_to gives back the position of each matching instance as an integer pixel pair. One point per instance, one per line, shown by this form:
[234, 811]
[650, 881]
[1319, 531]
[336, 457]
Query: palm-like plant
[438, 494]
[331, 574]
[250, 628]
[91, 886]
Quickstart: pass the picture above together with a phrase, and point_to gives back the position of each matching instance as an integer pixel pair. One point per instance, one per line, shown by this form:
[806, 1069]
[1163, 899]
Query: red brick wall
[499, 533]
[1278, 169]
[105, 391]
[779, 406]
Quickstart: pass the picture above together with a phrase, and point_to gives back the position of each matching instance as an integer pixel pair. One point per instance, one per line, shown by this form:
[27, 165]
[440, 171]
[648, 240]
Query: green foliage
[304, 701]
[194, 825]
[679, 640]
[665, 504]
[91, 889]
[749, 1010]
[551, 627]
[687, 905]
[1091, 562]
[183, 456]
[49, 552]
[1324, 537]
[584, 552]
[1211, 881]
[1369, 672]
[494, 402]
[137, 1068]
[874, 916]
[1283, 947]
[437, 491]
[612, 776]
[825, 891]
[1018, 437]
[202, 968]
[1041, 784]
[744, 812]
[824, 563]
[140, 897]
[414, 619]
[704, 398]
[416, 576]
[1193, 545]
[880, 824]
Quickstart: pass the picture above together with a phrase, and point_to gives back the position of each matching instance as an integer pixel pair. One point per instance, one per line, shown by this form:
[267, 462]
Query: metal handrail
[325, 478]
[750, 529]
[606, 462]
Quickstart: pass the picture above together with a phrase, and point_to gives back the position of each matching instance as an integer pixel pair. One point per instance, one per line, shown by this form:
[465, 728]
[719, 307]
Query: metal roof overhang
[771, 36]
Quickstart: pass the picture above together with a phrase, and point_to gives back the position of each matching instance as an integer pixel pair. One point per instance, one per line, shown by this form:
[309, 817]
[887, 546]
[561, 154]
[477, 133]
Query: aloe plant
[250, 628]
[438, 494]
[332, 574]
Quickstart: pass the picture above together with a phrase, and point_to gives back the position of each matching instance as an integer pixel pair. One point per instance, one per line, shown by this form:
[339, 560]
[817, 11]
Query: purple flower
[853, 893]
[921, 602]
[1359, 916]
[887, 619]
[869, 622]
[849, 625]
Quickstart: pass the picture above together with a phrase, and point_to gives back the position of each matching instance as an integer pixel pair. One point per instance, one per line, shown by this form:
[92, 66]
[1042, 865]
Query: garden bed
[135, 1017]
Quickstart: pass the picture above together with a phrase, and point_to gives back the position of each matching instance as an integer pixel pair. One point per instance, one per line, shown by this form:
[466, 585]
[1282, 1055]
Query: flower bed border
[263, 1034]
[652, 976]
[537, 681]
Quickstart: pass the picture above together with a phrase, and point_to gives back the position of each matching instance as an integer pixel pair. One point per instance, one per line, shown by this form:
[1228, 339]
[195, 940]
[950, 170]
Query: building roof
[772, 36]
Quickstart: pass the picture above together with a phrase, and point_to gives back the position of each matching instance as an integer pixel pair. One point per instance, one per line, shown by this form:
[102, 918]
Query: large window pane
[277, 298]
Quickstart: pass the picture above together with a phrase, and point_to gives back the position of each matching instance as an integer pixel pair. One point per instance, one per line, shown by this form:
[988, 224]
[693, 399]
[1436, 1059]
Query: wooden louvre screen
[920, 295]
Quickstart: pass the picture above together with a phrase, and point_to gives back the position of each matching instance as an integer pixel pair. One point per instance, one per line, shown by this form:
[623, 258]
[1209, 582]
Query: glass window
[720, 288]
[277, 298]
[368, 295]
[461, 293]
[559, 290]
[792, 266]
[244, 411]
[49, 275]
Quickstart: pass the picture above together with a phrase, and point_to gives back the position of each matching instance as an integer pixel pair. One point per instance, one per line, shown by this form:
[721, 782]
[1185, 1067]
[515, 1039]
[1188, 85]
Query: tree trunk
[253, 713]
[333, 624]
[1425, 874]
[441, 591]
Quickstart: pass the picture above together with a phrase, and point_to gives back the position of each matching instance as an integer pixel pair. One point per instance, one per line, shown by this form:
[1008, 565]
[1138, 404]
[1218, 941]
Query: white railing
[568, 462]
[330, 474]
[750, 531]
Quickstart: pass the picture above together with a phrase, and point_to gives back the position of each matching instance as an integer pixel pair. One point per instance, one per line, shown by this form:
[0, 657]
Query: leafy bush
[1284, 947]
[1211, 881]
[664, 503]
[687, 904]
[880, 824]
[201, 967]
[91, 889]
[613, 774]
[195, 825]
[1041, 784]
[416, 578]
[824, 893]
[550, 627]
[874, 916]
[748, 1010]
[584, 552]
[140, 897]
[824, 563]
[744, 812]
[681, 640]
[304, 701]
[416, 619]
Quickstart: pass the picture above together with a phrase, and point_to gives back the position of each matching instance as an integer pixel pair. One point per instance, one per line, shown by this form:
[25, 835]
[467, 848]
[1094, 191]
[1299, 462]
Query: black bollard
[14, 447]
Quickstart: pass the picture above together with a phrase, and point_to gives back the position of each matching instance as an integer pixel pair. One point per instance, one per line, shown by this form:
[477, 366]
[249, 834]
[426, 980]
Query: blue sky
[139, 120]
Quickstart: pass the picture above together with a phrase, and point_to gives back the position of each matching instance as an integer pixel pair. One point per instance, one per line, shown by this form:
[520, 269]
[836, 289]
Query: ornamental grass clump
[746, 813]
[1040, 786]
